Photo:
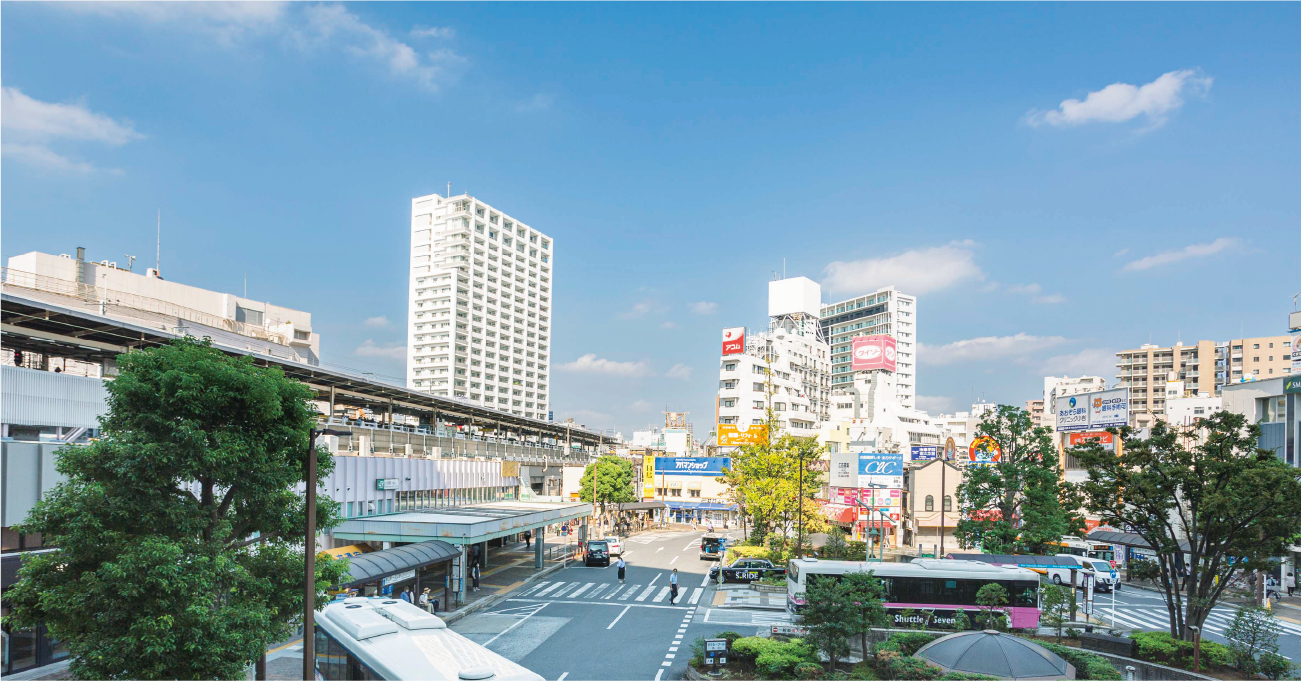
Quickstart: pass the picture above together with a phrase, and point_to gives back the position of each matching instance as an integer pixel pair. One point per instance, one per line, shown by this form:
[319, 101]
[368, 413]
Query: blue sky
[677, 153]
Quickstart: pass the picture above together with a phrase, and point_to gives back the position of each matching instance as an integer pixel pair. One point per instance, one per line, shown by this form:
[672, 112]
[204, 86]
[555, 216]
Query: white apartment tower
[479, 321]
[791, 359]
[885, 311]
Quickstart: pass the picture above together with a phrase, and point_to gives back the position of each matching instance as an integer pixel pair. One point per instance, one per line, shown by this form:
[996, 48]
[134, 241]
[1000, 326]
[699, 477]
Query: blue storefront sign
[880, 469]
[925, 452]
[691, 465]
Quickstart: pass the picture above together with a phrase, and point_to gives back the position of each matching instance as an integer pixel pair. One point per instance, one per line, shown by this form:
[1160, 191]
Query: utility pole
[944, 468]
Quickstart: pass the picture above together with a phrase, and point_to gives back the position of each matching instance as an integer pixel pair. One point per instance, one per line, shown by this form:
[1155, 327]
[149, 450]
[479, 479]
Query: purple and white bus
[941, 586]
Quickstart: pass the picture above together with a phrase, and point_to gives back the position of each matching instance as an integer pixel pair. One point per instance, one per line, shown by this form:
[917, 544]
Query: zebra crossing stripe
[580, 590]
[544, 591]
[613, 591]
[695, 597]
[664, 592]
[561, 591]
[649, 590]
[533, 588]
[597, 590]
[1134, 619]
[629, 591]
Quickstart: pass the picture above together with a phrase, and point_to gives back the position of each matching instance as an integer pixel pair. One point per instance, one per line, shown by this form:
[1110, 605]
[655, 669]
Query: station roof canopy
[1128, 539]
[460, 524]
[640, 506]
[43, 322]
[1042, 562]
[375, 566]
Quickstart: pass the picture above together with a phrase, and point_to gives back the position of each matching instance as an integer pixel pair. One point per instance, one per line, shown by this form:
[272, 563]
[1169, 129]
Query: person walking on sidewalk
[528, 539]
[474, 574]
[622, 566]
[673, 586]
[1289, 583]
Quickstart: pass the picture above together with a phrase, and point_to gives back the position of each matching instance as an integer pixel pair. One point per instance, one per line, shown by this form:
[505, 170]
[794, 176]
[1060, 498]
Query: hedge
[1161, 647]
[1087, 665]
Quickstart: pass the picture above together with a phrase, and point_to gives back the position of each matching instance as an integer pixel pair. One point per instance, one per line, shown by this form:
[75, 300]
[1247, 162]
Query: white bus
[390, 639]
[941, 586]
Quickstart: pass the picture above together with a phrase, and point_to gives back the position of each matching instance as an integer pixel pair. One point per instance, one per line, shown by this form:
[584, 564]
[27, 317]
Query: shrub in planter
[860, 672]
[911, 643]
[1087, 665]
[808, 670]
[776, 665]
[1273, 665]
[748, 648]
[731, 637]
[964, 676]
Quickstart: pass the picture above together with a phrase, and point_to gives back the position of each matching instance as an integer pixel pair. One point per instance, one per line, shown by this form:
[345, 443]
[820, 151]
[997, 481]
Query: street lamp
[799, 533]
[868, 538]
[1197, 643]
[309, 555]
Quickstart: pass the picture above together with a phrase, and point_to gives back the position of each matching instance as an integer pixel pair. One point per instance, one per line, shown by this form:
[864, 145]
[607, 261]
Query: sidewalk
[747, 598]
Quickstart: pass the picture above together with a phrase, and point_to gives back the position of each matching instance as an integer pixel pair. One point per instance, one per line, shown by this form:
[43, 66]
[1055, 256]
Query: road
[1145, 610]
[580, 623]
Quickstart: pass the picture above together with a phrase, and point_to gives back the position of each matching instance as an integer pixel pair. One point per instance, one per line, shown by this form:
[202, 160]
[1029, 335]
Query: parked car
[1097, 567]
[616, 546]
[712, 547]
[746, 570]
[598, 553]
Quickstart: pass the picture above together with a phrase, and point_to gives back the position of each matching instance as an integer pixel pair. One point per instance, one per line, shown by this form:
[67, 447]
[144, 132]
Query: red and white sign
[1107, 440]
[873, 352]
[734, 340]
[984, 450]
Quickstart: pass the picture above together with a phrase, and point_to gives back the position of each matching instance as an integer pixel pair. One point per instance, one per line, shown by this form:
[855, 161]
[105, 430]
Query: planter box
[1106, 643]
[767, 588]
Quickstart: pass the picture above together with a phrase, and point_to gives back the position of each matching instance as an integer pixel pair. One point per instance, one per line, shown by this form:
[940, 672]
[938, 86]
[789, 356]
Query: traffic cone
[1267, 605]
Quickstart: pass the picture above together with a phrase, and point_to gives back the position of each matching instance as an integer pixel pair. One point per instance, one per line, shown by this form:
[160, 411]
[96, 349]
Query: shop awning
[1127, 539]
[348, 551]
[640, 506]
[375, 566]
[839, 513]
[700, 506]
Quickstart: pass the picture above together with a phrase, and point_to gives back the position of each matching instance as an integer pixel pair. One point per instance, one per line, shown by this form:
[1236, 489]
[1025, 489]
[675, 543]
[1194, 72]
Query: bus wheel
[1057, 579]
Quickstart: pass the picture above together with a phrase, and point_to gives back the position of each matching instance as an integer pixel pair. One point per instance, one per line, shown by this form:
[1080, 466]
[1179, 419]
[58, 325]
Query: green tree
[180, 532]
[835, 548]
[866, 608]
[960, 621]
[991, 598]
[1018, 504]
[1055, 607]
[1252, 632]
[765, 479]
[614, 482]
[1226, 503]
[829, 615]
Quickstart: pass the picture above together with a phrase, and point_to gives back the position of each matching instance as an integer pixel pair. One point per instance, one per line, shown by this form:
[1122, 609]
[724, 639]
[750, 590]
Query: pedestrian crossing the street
[1158, 619]
[604, 591]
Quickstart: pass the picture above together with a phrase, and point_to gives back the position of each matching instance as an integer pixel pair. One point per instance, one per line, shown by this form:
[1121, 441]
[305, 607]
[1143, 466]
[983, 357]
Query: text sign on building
[873, 352]
[734, 435]
[984, 451]
[844, 469]
[734, 340]
[510, 469]
[880, 468]
[386, 483]
[925, 452]
[1292, 385]
[691, 465]
[399, 577]
[1107, 440]
[648, 477]
[1093, 411]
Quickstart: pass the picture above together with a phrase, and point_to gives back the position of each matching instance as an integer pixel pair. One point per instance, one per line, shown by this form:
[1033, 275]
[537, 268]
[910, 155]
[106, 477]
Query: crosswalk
[1158, 619]
[606, 591]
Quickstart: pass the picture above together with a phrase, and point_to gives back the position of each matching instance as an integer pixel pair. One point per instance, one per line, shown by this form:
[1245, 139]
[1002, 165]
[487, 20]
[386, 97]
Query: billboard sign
[1107, 440]
[1296, 352]
[950, 450]
[879, 498]
[873, 352]
[1072, 413]
[691, 465]
[1291, 385]
[648, 477]
[984, 451]
[925, 452]
[1108, 408]
[734, 340]
[844, 469]
[735, 435]
[1093, 411]
[880, 468]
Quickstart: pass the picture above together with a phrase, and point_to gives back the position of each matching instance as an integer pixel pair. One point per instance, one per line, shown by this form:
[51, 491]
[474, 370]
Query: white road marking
[597, 590]
[675, 559]
[664, 591]
[535, 587]
[668, 656]
[656, 579]
[649, 590]
[580, 590]
[516, 624]
[673, 649]
[705, 581]
[664, 664]
[635, 605]
[563, 589]
[544, 591]
[621, 612]
[659, 549]
[562, 676]
[628, 592]
[658, 674]
[613, 591]
[695, 597]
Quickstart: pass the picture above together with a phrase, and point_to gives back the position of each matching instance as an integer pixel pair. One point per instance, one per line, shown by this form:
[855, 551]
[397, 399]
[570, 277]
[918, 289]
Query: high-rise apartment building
[885, 311]
[1260, 358]
[479, 321]
[1203, 367]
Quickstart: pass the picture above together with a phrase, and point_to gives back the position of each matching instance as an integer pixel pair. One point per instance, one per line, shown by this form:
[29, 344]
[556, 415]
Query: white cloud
[433, 32]
[934, 404]
[376, 322]
[680, 371]
[1190, 251]
[985, 348]
[703, 308]
[916, 272]
[30, 126]
[334, 25]
[640, 406]
[1120, 252]
[644, 307]
[669, 325]
[591, 364]
[1051, 299]
[1120, 102]
[370, 349]
[1032, 289]
[538, 102]
[1087, 362]
[217, 12]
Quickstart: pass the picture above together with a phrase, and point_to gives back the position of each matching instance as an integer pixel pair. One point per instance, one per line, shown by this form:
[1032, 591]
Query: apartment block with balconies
[479, 320]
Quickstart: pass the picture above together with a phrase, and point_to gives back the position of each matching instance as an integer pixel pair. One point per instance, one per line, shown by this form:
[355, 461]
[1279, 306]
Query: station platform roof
[460, 524]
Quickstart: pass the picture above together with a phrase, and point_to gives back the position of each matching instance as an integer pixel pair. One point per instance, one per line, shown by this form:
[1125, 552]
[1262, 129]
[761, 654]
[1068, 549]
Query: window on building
[930, 502]
[757, 387]
[248, 316]
[694, 492]
[675, 492]
[1255, 346]
[948, 503]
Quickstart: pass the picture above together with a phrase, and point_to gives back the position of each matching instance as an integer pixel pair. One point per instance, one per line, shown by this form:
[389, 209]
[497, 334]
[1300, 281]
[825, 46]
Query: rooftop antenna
[130, 262]
[246, 284]
[783, 268]
[449, 190]
[158, 252]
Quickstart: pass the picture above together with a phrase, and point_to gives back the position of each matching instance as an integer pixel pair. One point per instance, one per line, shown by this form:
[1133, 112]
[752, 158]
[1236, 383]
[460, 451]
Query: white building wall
[1059, 386]
[479, 321]
[885, 311]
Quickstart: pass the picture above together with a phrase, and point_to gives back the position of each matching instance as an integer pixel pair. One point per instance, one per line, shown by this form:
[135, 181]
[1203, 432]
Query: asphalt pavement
[1139, 609]
[580, 623]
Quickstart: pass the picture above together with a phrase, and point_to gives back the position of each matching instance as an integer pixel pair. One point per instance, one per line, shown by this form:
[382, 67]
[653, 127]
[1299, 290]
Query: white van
[1100, 569]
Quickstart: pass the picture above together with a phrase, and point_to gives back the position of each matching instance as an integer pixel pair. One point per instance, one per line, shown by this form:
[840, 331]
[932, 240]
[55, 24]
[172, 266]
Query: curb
[497, 597]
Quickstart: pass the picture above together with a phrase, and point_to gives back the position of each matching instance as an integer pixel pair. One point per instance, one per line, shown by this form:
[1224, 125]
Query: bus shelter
[392, 570]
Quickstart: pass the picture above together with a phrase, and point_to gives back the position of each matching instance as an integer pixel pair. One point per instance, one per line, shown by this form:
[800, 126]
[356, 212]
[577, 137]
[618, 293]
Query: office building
[1203, 367]
[885, 311]
[479, 322]
[787, 366]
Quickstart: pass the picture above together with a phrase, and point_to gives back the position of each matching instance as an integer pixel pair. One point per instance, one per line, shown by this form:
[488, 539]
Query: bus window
[1024, 594]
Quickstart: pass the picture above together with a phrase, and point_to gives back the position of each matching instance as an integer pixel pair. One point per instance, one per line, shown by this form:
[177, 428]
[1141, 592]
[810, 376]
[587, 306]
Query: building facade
[1060, 386]
[1036, 410]
[479, 321]
[885, 311]
[1258, 358]
[1203, 367]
